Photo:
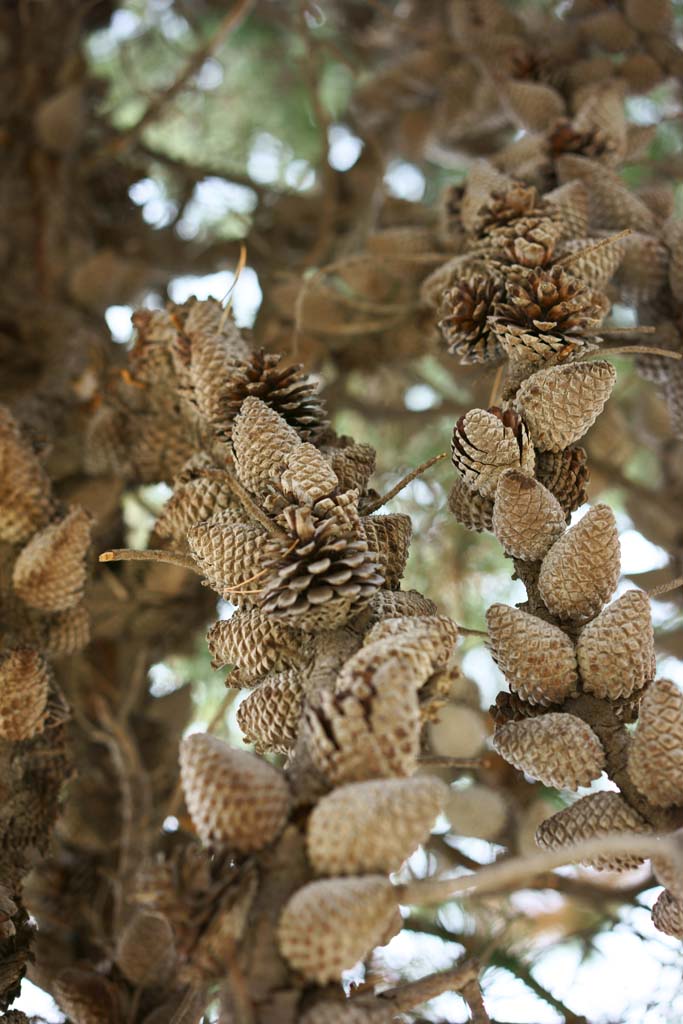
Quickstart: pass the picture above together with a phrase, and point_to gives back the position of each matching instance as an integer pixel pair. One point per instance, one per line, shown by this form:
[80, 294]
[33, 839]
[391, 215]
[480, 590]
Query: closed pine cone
[261, 439]
[193, 502]
[389, 536]
[269, 717]
[536, 658]
[211, 344]
[667, 915]
[233, 797]
[485, 443]
[616, 651]
[228, 553]
[50, 572]
[255, 644]
[327, 926]
[65, 632]
[431, 637]
[373, 826]
[465, 309]
[145, 951]
[286, 389]
[557, 749]
[509, 707]
[353, 463]
[581, 570]
[308, 475]
[87, 997]
[595, 815]
[655, 761]
[24, 683]
[24, 486]
[566, 475]
[393, 603]
[527, 518]
[470, 508]
[561, 403]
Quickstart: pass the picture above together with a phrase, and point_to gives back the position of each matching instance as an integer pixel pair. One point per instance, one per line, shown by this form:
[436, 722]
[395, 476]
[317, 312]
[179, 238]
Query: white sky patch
[344, 147]
[171, 823]
[162, 679]
[266, 158]
[210, 74]
[419, 397]
[246, 295]
[405, 181]
[671, 668]
[299, 175]
[639, 554]
[212, 199]
[119, 323]
[34, 1000]
[225, 609]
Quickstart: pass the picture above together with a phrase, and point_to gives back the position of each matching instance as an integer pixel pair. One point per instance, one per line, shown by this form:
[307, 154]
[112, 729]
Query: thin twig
[251, 507]
[151, 555]
[572, 256]
[455, 762]
[414, 473]
[496, 384]
[664, 588]
[636, 350]
[405, 997]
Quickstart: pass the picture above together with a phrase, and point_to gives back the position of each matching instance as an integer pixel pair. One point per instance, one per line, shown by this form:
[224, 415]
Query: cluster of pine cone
[529, 292]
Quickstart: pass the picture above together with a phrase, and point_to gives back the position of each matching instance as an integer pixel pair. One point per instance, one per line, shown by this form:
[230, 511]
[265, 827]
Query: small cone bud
[255, 644]
[527, 518]
[667, 915]
[24, 681]
[145, 951]
[581, 570]
[24, 486]
[262, 439]
[50, 572]
[536, 658]
[87, 997]
[389, 536]
[655, 761]
[485, 443]
[269, 717]
[233, 797]
[471, 509]
[616, 651]
[595, 815]
[308, 475]
[328, 926]
[557, 749]
[477, 811]
[561, 403]
[373, 826]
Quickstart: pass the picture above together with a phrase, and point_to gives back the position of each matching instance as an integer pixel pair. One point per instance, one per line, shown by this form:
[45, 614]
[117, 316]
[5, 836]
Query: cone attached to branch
[581, 570]
[655, 761]
[616, 651]
[328, 926]
[527, 518]
[229, 553]
[25, 503]
[145, 951]
[557, 749]
[353, 464]
[566, 475]
[269, 717]
[598, 814]
[390, 537]
[561, 403]
[255, 644]
[234, 798]
[87, 997]
[307, 476]
[470, 508]
[373, 826]
[464, 318]
[261, 440]
[536, 657]
[193, 502]
[24, 683]
[486, 443]
[667, 915]
[50, 572]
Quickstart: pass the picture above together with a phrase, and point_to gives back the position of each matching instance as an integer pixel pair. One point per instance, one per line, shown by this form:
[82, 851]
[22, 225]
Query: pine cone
[527, 518]
[568, 206]
[193, 502]
[286, 389]
[528, 242]
[50, 572]
[505, 205]
[565, 138]
[145, 951]
[24, 683]
[389, 536]
[534, 104]
[229, 553]
[208, 345]
[464, 314]
[323, 580]
[550, 301]
[595, 815]
[307, 476]
[616, 651]
[471, 509]
[87, 997]
[561, 403]
[255, 644]
[536, 657]
[667, 915]
[566, 475]
[370, 827]
[655, 761]
[65, 632]
[353, 463]
[509, 707]
[261, 439]
[351, 1011]
[581, 570]
[328, 926]
[233, 797]
[477, 811]
[269, 717]
[557, 749]
[388, 604]
[430, 636]
[594, 261]
[485, 443]
[25, 503]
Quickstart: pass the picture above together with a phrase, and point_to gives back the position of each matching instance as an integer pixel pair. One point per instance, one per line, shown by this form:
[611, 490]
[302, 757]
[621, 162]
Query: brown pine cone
[350, 1011]
[464, 312]
[50, 572]
[506, 205]
[616, 651]
[557, 749]
[487, 442]
[145, 950]
[509, 707]
[87, 997]
[389, 536]
[388, 604]
[655, 761]
[536, 658]
[549, 302]
[528, 242]
[470, 508]
[229, 553]
[559, 404]
[193, 502]
[286, 389]
[269, 717]
[667, 915]
[580, 572]
[353, 463]
[527, 518]
[261, 439]
[307, 475]
[595, 260]
[566, 138]
[255, 644]
[64, 632]
[598, 814]
[566, 475]
[24, 683]
[25, 503]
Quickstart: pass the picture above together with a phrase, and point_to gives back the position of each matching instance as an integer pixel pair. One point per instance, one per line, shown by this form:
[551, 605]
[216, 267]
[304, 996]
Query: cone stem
[513, 873]
[250, 505]
[570, 257]
[384, 498]
[151, 555]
